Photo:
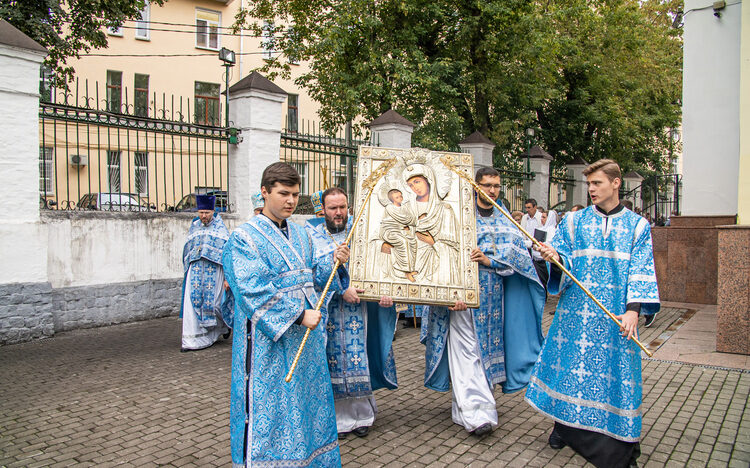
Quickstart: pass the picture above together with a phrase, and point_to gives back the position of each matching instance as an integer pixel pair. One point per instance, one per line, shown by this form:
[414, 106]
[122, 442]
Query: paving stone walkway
[124, 395]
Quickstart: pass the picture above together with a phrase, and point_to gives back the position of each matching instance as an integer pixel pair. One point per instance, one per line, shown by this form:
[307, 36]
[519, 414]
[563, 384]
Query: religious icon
[414, 231]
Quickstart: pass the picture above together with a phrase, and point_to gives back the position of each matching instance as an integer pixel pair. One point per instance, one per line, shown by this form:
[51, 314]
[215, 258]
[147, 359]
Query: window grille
[141, 172]
[113, 171]
[46, 170]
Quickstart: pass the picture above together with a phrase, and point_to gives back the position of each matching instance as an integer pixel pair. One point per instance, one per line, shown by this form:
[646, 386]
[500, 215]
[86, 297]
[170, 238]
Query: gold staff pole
[369, 184]
[448, 161]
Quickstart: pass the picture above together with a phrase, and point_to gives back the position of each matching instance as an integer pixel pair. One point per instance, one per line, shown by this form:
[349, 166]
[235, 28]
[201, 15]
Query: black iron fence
[657, 198]
[151, 155]
[514, 188]
[560, 193]
[322, 159]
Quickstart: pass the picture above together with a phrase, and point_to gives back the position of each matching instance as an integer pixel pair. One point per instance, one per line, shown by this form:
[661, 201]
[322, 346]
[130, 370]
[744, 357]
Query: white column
[256, 113]
[539, 187]
[579, 194]
[480, 147]
[391, 130]
[24, 250]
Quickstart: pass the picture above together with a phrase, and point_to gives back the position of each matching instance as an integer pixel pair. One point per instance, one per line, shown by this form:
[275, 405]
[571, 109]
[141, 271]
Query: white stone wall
[104, 248]
[24, 241]
[710, 110]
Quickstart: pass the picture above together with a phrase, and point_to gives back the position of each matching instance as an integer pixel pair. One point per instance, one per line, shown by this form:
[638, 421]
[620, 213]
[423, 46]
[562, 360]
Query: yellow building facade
[163, 67]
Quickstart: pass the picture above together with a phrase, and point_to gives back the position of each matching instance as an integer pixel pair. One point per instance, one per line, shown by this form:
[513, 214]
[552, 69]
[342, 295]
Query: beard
[334, 226]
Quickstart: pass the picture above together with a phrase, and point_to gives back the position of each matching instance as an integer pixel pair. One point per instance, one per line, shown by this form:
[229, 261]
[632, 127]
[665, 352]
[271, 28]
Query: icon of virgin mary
[436, 227]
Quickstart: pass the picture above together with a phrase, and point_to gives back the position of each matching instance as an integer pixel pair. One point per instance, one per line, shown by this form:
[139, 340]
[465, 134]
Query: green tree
[596, 81]
[68, 28]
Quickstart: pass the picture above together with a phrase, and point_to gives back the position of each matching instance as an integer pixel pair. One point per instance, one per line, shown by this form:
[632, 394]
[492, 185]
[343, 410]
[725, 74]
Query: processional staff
[447, 160]
[368, 184]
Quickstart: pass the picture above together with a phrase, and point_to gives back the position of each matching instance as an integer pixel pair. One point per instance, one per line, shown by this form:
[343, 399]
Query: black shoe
[649, 320]
[483, 430]
[361, 431]
[342, 435]
[555, 441]
[227, 334]
[184, 350]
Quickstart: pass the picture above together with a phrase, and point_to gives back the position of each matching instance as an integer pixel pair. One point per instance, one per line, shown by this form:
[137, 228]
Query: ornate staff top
[371, 180]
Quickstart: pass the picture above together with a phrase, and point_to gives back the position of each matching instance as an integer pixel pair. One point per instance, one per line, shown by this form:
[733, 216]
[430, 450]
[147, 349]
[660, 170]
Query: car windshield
[187, 202]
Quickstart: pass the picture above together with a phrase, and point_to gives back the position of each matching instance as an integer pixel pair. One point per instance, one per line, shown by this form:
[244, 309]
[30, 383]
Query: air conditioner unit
[78, 160]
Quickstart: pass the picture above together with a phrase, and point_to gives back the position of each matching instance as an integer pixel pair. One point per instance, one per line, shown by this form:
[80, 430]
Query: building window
[114, 32]
[142, 25]
[206, 103]
[294, 46]
[141, 95]
[207, 25]
[301, 169]
[114, 91]
[141, 172]
[113, 171]
[46, 169]
[292, 113]
[268, 41]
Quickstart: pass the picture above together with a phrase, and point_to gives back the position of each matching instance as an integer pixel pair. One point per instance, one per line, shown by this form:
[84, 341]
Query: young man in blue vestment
[271, 271]
[203, 285]
[360, 334]
[588, 377]
[472, 350]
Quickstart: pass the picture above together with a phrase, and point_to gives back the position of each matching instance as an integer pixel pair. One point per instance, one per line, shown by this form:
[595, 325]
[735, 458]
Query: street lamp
[529, 138]
[226, 56]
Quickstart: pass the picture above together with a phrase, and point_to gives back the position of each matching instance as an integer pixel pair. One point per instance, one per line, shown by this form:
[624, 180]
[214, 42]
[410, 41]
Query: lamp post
[529, 138]
[226, 56]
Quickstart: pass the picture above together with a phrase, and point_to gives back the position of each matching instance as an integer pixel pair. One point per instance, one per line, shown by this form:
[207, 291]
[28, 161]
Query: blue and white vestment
[359, 347]
[588, 375]
[202, 286]
[498, 343]
[273, 278]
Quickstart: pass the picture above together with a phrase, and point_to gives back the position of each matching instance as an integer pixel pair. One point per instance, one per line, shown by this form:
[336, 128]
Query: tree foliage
[68, 28]
[596, 79]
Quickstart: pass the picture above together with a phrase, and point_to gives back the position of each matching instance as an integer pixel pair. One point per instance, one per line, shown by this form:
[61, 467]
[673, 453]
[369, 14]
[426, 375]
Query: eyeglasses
[489, 186]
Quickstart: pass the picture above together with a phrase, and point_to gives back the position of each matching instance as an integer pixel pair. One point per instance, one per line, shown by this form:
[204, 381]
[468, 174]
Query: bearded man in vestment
[203, 284]
[270, 268]
[588, 376]
[473, 350]
[360, 334]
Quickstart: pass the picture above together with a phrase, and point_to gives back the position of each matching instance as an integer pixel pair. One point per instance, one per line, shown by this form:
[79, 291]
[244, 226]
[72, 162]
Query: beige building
[174, 51]
[167, 67]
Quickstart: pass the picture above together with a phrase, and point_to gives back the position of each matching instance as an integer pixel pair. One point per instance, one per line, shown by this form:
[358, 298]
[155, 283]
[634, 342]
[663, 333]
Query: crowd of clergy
[261, 283]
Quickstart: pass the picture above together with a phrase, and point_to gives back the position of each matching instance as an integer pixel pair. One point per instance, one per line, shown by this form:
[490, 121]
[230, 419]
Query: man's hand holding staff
[626, 325]
[342, 254]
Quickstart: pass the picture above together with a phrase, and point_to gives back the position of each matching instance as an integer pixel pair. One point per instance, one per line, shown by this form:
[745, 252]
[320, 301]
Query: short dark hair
[577, 207]
[486, 172]
[282, 173]
[627, 204]
[530, 200]
[332, 191]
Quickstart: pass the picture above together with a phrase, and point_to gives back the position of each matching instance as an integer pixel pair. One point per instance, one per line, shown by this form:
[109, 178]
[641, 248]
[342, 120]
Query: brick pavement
[124, 395]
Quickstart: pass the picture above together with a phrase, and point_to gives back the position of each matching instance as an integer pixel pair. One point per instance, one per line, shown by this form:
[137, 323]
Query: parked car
[114, 202]
[188, 203]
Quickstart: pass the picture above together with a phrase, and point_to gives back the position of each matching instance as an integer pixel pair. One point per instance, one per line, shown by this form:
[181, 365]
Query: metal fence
[657, 198]
[514, 188]
[98, 151]
[323, 160]
[560, 194]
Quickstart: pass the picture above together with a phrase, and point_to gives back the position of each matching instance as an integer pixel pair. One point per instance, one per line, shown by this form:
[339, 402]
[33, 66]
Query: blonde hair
[608, 166]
